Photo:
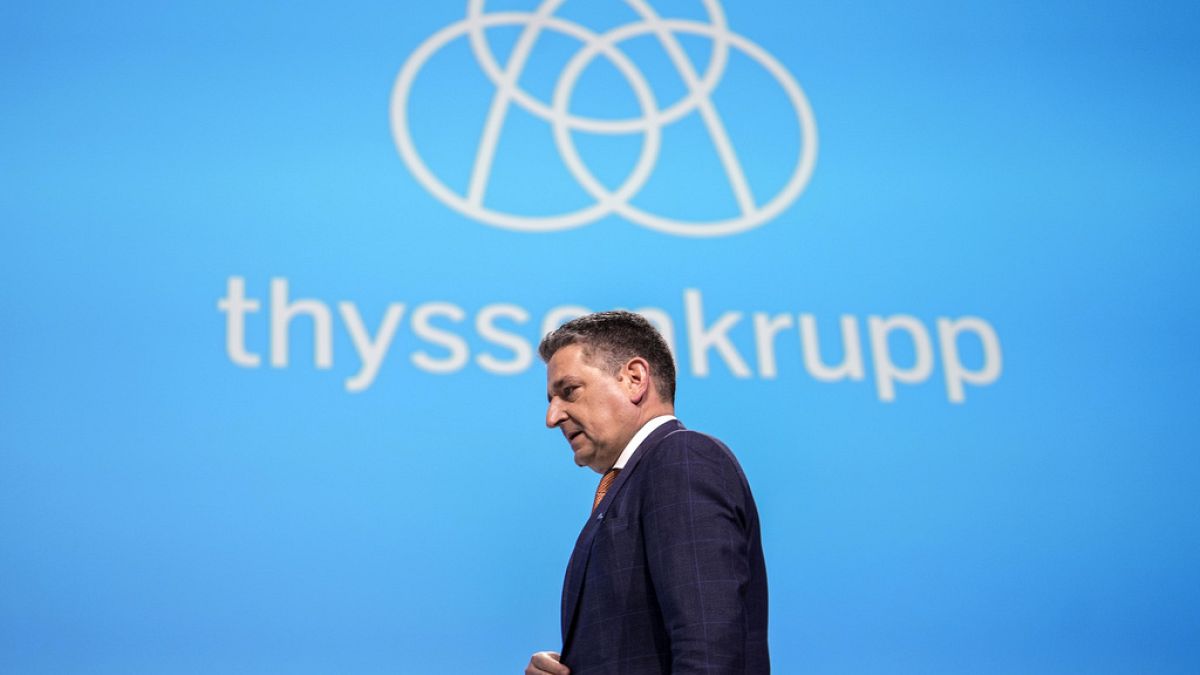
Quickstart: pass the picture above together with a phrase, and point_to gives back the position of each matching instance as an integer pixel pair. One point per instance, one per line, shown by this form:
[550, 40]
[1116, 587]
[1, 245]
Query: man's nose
[554, 415]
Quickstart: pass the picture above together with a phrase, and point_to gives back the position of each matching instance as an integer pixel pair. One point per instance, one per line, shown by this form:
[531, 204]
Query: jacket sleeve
[697, 551]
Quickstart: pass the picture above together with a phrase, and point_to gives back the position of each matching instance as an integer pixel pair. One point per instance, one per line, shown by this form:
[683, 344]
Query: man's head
[607, 374]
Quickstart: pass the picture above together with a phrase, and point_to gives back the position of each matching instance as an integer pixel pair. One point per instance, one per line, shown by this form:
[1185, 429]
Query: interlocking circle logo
[654, 118]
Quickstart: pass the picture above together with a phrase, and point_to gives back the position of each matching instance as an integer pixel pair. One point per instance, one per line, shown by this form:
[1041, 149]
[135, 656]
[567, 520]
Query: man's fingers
[546, 663]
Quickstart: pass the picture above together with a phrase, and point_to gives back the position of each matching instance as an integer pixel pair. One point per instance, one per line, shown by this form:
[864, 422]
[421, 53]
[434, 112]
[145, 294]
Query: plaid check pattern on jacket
[668, 574]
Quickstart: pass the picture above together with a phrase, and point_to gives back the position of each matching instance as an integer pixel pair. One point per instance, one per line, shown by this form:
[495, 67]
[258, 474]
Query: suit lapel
[577, 567]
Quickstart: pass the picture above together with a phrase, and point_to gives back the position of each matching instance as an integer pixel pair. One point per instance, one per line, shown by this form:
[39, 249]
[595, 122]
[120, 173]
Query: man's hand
[546, 663]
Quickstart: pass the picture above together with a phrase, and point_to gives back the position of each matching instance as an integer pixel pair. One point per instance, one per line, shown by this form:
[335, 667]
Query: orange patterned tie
[605, 483]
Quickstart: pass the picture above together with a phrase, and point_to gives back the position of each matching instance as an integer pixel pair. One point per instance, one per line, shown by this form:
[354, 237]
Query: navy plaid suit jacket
[668, 575]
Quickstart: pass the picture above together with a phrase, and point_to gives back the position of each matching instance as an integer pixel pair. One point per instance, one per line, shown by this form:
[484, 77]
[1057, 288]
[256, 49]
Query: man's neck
[658, 409]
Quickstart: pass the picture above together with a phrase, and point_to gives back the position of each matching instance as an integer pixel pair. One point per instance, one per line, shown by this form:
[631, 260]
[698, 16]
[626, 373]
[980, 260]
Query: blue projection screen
[274, 275]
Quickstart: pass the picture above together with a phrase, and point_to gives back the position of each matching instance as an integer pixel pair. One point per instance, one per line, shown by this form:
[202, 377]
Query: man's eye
[568, 392]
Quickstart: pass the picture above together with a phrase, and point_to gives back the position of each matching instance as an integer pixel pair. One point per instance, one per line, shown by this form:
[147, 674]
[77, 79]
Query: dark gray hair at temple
[615, 337]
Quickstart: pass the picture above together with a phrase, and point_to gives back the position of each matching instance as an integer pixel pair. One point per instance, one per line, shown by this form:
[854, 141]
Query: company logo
[563, 124]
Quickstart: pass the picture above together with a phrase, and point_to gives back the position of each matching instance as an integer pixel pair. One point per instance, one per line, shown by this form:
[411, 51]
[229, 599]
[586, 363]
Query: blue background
[165, 510]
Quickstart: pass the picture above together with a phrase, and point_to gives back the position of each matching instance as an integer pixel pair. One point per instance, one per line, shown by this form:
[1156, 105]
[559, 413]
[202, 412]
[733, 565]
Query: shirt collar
[640, 436]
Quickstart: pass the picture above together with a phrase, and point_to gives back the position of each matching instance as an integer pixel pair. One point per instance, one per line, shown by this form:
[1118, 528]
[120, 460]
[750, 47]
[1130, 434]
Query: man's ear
[637, 379]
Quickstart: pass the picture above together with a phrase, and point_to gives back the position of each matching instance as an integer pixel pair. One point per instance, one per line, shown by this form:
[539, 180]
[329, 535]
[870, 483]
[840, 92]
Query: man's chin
[588, 460]
[586, 457]
[582, 457]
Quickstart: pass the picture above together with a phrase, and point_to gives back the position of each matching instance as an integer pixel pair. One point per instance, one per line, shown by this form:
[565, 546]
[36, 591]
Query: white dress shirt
[640, 436]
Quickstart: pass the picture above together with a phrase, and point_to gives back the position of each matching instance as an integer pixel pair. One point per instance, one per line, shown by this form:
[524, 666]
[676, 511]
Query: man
[667, 575]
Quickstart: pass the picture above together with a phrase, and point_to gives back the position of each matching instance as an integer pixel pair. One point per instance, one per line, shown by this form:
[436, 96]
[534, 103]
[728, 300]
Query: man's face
[593, 408]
